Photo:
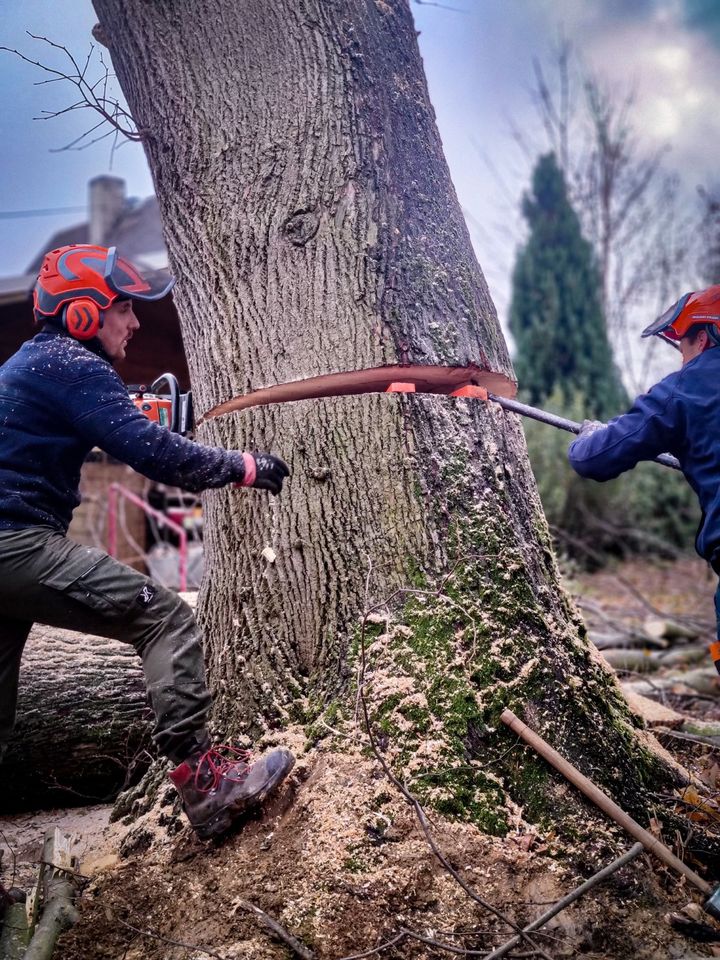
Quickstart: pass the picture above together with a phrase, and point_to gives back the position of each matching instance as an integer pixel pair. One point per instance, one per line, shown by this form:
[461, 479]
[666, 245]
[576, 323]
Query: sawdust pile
[339, 860]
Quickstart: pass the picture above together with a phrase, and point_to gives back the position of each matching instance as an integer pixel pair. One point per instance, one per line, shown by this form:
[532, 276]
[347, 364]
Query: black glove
[264, 471]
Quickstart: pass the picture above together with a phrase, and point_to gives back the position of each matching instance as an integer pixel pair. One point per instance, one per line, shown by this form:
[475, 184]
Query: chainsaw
[163, 403]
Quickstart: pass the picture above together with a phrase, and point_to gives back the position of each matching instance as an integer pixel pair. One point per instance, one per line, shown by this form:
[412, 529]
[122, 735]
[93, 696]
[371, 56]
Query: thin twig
[54, 866]
[441, 6]
[295, 945]
[445, 946]
[335, 732]
[713, 742]
[109, 109]
[460, 768]
[174, 943]
[378, 949]
[598, 877]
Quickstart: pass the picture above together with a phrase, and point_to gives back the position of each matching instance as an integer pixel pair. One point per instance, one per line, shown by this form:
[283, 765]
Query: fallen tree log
[82, 721]
[703, 680]
[661, 628]
[647, 661]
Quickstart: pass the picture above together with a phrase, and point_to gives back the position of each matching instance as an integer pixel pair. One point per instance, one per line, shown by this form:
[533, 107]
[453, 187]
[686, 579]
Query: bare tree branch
[627, 207]
[93, 95]
[443, 946]
[442, 6]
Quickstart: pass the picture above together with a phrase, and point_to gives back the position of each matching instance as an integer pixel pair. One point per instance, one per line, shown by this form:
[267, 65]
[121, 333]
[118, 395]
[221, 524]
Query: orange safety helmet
[702, 306]
[79, 281]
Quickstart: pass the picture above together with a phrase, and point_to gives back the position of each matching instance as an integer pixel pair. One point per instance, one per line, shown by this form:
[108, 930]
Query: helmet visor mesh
[127, 281]
[669, 317]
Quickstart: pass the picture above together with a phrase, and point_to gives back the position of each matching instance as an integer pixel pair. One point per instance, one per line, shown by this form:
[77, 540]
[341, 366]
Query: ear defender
[714, 336]
[81, 318]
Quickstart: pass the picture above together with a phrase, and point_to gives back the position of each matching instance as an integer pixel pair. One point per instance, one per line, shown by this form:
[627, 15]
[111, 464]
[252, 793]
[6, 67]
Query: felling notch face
[468, 381]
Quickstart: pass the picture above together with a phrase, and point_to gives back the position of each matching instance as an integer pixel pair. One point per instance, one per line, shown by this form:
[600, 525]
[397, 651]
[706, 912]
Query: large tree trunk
[82, 721]
[313, 228]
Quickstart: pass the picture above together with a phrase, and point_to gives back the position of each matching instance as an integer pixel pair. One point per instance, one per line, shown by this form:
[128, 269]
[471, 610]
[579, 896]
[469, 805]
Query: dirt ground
[339, 860]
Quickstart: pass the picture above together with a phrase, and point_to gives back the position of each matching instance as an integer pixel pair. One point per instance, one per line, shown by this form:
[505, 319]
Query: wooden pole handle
[602, 800]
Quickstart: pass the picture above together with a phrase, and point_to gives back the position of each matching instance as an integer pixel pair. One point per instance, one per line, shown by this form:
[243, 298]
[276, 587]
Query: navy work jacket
[679, 415]
[60, 398]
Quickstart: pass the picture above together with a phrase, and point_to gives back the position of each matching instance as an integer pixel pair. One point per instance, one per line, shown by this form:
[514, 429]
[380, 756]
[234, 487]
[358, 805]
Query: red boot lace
[217, 766]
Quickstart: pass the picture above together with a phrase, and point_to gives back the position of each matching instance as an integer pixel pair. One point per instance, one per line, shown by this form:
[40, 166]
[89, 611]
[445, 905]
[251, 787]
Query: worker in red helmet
[59, 398]
[679, 415]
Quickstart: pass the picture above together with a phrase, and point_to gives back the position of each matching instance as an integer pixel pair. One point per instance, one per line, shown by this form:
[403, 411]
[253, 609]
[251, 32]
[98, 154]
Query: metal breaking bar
[514, 406]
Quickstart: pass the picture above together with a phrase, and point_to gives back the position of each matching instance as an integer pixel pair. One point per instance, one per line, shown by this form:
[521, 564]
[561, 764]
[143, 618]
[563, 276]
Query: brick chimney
[106, 201]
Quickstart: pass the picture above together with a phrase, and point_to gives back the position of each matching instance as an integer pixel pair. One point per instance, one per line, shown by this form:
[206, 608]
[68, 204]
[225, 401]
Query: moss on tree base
[443, 661]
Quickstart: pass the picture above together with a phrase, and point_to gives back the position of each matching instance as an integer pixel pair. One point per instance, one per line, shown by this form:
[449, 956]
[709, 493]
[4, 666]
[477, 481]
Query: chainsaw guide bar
[393, 379]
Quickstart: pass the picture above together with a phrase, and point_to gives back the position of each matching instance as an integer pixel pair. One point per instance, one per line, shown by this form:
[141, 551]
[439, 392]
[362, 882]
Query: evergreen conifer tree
[555, 314]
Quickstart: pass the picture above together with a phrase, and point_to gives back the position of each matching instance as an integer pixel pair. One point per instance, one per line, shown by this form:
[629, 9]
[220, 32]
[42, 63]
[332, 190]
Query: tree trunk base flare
[82, 722]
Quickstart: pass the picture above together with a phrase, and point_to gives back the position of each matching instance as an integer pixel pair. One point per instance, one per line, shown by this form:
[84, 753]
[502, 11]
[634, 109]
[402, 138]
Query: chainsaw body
[163, 403]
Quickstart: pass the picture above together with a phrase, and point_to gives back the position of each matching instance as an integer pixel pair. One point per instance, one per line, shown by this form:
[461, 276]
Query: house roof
[137, 233]
[16, 289]
[76, 234]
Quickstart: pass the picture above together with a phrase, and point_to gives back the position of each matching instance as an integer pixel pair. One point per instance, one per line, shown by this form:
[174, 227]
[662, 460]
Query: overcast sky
[478, 58]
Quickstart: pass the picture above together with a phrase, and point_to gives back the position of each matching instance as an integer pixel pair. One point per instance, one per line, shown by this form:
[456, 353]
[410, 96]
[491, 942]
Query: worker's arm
[101, 411]
[648, 429]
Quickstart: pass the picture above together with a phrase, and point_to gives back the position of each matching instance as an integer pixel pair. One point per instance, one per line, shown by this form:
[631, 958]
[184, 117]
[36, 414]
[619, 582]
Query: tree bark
[82, 720]
[313, 228]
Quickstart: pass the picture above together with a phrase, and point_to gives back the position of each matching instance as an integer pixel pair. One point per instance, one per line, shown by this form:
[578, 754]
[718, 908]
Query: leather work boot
[216, 789]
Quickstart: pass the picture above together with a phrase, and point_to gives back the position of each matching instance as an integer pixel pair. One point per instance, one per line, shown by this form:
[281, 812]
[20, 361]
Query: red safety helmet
[76, 283]
[702, 306]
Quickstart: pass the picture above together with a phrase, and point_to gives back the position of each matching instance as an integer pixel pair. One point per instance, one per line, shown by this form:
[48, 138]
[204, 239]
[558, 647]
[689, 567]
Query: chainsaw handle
[514, 406]
[174, 390]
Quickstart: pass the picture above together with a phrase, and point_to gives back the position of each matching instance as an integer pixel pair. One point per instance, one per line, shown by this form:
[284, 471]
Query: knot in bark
[99, 34]
[321, 474]
[301, 226]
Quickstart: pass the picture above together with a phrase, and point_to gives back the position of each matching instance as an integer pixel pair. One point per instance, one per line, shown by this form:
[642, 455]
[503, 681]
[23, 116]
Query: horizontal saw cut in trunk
[407, 378]
[313, 228]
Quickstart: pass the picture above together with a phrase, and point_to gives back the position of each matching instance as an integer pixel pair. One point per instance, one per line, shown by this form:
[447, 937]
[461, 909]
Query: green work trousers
[46, 577]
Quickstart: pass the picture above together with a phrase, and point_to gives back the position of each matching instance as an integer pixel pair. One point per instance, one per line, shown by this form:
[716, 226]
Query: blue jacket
[58, 400]
[679, 415]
